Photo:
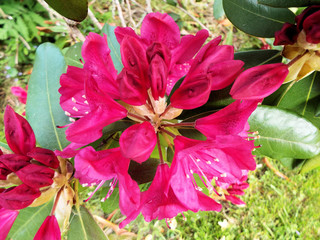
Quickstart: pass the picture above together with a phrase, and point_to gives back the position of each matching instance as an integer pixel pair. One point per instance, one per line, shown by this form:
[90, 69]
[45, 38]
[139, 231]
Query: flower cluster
[164, 76]
[302, 43]
[29, 177]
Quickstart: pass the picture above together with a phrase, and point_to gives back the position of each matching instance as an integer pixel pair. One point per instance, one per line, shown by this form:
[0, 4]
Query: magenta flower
[7, 218]
[29, 167]
[96, 96]
[20, 93]
[49, 230]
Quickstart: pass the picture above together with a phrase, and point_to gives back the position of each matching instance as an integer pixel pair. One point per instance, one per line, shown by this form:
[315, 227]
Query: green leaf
[254, 58]
[302, 97]
[29, 221]
[218, 11]
[114, 46]
[110, 203]
[73, 55]
[256, 19]
[290, 3]
[284, 134]
[73, 9]
[310, 164]
[4, 145]
[291, 163]
[43, 110]
[83, 226]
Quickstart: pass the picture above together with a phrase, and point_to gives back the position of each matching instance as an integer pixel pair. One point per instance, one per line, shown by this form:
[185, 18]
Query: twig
[123, 22]
[269, 165]
[130, 14]
[149, 8]
[94, 19]
[195, 19]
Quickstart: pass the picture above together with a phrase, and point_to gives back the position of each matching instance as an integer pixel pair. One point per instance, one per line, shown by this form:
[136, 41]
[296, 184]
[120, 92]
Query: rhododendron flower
[7, 218]
[302, 43]
[49, 230]
[96, 96]
[30, 168]
[20, 93]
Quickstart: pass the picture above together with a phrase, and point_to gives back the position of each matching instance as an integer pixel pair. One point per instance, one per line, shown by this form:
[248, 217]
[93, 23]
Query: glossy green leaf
[43, 110]
[291, 163]
[83, 226]
[284, 134]
[76, 10]
[73, 55]
[254, 58]
[218, 11]
[29, 221]
[288, 3]
[302, 97]
[114, 46]
[256, 19]
[311, 164]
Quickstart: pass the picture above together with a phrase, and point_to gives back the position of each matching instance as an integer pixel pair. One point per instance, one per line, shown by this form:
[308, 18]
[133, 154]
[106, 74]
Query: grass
[276, 209]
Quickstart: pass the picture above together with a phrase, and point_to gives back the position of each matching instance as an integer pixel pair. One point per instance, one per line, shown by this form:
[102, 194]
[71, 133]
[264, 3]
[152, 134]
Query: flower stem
[168, 132]
[137, 116]
[159, 149]
[296, 58]
[182, 124]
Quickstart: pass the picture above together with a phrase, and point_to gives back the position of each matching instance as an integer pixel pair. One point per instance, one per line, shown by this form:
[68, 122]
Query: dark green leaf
[112, 202]
[114, 46]
[29, 221]
[73, 55]
[310, 164]
[218, 11]
[291, 163]
[144, 172]
[175, 87]
[258, 57]
[256, 19]
[302, 97]
[284, 134]
[73, 9]
[43, 110]
[83, 226]
[288, 3]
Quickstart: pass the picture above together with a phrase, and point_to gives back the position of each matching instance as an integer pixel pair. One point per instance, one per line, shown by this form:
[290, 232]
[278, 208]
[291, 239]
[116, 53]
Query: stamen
[84, 96]
[97, 188]
[112, 186]
[67, 113]
[207, 184]
[223, 175]
[73, 100]
[86, 102]
[75, 109]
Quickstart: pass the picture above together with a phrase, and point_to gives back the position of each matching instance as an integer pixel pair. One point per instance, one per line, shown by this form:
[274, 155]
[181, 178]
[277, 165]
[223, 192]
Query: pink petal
[98, 62]
[158, 27]
[18, 197]
[4, 171]
[15, 162]
[138, 141]
[259, 82]
[7, 218]
[18, 132]
[193, 92]
[70, 151]
[132, 90]
[89, 128]
[189, 46]
[224, 73]
[49, 230]
[311, 26]
[158, 73]
[72, 92]
[230, 120]
[134, 58]
[96, 164]
[122, 32]
[20, 93]
[36, 176]
[45, 156]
